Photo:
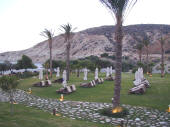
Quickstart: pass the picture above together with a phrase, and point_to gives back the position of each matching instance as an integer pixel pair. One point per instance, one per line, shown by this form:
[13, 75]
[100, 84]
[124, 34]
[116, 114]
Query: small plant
[109, 112]
[8, 84]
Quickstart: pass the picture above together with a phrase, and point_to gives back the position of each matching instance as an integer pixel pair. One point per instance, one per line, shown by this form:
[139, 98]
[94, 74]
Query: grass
[158, 96]
[31, 117]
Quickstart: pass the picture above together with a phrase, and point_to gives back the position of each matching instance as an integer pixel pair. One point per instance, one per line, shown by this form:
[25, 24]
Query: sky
[21, 21]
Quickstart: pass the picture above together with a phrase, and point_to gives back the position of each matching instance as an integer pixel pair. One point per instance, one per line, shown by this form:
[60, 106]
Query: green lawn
[31, 117]
[158, 96]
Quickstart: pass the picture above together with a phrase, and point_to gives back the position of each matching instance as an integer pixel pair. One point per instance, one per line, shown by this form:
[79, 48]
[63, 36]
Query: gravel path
[138, 116]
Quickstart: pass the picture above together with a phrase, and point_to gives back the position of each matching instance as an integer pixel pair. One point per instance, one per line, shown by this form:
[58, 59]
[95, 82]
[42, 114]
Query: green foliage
[134, 69]
[24, 63]
[126, 66]
[3, 67]
[104, 55]
[47, 33]
[26, 74]
[94, 62]
[55, 64]
[144, 66]
[113, 57]
[68, 30]
[8, 83]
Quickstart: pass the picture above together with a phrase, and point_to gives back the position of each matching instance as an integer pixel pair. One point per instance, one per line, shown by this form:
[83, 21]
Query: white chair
[94, 83]
[42, 83]
[91, 83]
[49, 82]
[73, 87]
[68, 89]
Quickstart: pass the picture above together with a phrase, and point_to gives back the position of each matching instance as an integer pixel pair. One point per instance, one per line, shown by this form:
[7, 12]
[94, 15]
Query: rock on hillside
[95, 41]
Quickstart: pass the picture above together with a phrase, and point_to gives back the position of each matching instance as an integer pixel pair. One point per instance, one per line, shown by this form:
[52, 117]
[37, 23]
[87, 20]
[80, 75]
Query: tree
[24, 63]
[139, 47]
[3, 67]
[8, 84]
[146, 43]
[162, 41]
[119, 9]
[68, 35]
[49, 35]
[76, 65]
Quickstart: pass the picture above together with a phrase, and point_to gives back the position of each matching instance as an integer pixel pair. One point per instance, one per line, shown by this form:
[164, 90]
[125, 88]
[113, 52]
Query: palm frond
[47, 33]
[68, 30]
[119, 7]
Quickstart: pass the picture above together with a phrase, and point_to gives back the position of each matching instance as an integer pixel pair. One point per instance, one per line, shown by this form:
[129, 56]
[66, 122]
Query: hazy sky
[21, 21]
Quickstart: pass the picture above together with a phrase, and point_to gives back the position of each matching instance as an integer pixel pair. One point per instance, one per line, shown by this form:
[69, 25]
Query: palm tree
[49, 35]
[162, 41]
[146, 43]
[139, 47]
[119, 9]
[68, 35]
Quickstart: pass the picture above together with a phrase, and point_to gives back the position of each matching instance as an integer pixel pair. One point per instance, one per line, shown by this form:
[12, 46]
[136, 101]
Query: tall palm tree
[49, 35]
[139, 47]
[120, 10]
[162, 42]
[68, 35]
[146, 43]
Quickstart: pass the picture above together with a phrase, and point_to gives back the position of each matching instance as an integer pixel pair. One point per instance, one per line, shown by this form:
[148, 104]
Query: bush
[126, 66]
[8, 82]
[134, 70]
[26, 74]
[113, 57]
[104, 55]
[108, 112]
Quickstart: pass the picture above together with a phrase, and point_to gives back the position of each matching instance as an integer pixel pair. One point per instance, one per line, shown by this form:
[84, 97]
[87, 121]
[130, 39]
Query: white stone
[85, 74]
[108, 120]
[41, 74]
[111, 71]
[64, 79]
[58, 72]
[137, 119]
[96, 74]
[138, 75]
[107, 72]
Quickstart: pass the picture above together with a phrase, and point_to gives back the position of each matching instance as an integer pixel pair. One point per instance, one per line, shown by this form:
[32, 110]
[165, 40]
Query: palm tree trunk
[50, 46]
[46, 72]
[68, 60]
[51, 63]
[118, 38]
[78, 72]
[162, 61]
[147, 59]
[140, 56]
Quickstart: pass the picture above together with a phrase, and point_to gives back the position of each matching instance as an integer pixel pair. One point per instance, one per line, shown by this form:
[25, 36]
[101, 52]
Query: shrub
[8, 84]
[104, 55]
[134, 70]
[108, 112]
[26, 74]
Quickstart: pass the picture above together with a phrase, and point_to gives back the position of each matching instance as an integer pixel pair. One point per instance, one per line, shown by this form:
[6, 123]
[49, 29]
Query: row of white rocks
[138, 116]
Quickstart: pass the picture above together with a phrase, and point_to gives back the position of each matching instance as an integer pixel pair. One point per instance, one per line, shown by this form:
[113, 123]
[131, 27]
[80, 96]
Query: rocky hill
[96, 41]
